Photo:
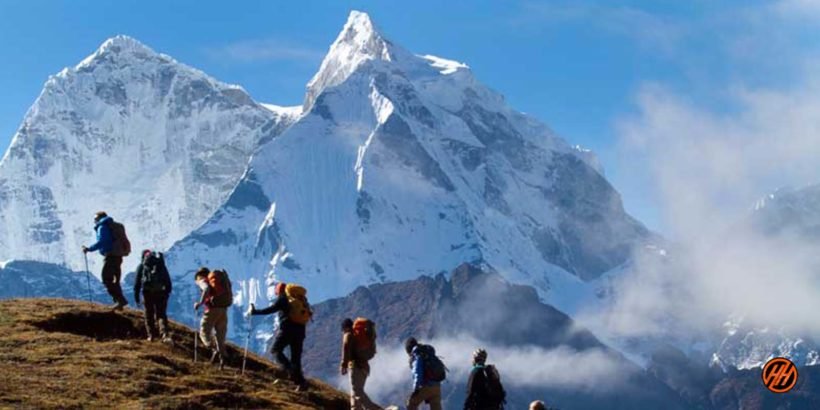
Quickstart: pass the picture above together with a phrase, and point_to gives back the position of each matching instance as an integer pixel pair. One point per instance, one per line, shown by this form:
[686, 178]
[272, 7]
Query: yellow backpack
[299, 307]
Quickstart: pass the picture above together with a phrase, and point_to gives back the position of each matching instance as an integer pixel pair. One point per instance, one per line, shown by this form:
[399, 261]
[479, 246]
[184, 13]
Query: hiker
[484, 389]
[293, 314]
[113, 245]
[538, 405]
[428, 372]
[358, 347]
[217, 296]
[155, 283]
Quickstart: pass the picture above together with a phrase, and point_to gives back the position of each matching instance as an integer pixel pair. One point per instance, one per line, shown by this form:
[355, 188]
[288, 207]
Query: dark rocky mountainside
[480, 305]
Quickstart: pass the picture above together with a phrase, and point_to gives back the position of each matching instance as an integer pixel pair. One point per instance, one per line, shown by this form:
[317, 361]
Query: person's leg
[149, 302]
[296, 359]
[221, 328]
[279, 345]
[414, 401]
[358, 397]
[434, 398]
[365, 399]
[113, 264]
[206, 328]
[161, 313]
[107, 278]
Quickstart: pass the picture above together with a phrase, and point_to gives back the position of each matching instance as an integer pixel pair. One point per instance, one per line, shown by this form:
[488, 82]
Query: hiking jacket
[105, 239]
[281, 306]
[417, 371]
[164, 277]
[349, 359]
[477, 391]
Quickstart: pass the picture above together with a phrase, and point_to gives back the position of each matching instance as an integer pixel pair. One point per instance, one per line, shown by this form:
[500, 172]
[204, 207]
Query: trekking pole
[196, 336]
[247, 339]
[87, 276]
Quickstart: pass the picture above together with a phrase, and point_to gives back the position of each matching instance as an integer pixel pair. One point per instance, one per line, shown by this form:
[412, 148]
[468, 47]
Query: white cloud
[520, 367]
[262, 50]
[651, 30]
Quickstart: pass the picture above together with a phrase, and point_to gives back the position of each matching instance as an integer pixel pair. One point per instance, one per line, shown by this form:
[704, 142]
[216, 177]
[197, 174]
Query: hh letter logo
[779, 375]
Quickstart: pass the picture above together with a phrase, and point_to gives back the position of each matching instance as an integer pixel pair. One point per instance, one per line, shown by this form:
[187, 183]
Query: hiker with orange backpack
[294, 313]
[217, 296]
[113, 245]
[358, 347]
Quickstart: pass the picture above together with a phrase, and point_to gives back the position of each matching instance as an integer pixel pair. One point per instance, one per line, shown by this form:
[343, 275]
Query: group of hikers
[153, 282]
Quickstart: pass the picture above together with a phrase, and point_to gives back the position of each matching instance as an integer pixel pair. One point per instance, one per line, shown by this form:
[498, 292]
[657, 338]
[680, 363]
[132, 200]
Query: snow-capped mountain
[403, 165]
[155, 143]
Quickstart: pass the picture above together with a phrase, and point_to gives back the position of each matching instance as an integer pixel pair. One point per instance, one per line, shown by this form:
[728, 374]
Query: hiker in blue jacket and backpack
[428, 372]
[113, 245]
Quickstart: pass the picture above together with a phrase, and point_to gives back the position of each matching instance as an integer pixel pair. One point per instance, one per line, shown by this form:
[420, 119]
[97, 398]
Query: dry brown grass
[70, 354]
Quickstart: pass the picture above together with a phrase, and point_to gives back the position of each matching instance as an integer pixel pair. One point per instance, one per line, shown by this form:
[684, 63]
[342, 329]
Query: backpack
[299, 311]
[434, 368]
[364, 339]
[120, 245]
[493, 389]
[221, 292]
[154, 273]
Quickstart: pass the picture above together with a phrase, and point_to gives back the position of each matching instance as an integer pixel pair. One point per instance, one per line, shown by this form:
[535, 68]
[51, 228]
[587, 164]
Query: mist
[714, 176]
[520, 367]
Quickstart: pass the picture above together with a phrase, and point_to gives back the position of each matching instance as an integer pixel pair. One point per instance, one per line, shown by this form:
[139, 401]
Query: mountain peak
[119, 45]
[358, 42]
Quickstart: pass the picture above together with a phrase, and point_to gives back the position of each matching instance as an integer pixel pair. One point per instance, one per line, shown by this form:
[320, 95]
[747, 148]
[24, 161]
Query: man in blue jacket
[112, 264]
[424, 390]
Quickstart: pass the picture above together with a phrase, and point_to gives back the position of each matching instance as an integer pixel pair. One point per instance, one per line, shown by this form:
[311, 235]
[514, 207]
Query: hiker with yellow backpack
[293, 313]
[358, 348]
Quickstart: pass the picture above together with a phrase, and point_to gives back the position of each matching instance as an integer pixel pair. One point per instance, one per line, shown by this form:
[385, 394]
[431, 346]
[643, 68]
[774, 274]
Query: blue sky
[583, 67]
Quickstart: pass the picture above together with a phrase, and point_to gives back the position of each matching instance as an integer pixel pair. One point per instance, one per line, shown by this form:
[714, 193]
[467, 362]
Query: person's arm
[418, 372]
[138, 284]
[279, 305]
[206, 293]
[103, 236]
[347, 350]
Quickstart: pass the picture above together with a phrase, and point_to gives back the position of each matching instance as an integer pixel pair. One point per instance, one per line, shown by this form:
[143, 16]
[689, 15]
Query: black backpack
[434, 368]
[493, 388]
[154, 273]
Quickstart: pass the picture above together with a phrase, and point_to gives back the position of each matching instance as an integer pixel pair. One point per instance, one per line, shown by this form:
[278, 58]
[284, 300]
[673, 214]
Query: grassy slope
[71, 354]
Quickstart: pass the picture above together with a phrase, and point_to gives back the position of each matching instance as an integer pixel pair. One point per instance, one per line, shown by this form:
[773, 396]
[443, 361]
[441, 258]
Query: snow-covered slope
[403, 165]
[156, 144]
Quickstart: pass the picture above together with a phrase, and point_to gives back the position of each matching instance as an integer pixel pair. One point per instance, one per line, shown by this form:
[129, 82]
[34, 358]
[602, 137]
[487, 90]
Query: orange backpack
[364, 339]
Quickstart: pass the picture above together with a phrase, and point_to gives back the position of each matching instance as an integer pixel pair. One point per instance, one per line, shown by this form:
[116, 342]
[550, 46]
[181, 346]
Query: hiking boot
[302, 388]
[150, 338]
[167, 339]
[216, 356]
[118, 306]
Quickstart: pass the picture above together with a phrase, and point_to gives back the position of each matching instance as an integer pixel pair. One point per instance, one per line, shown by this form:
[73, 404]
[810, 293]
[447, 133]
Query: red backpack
[221, 292]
